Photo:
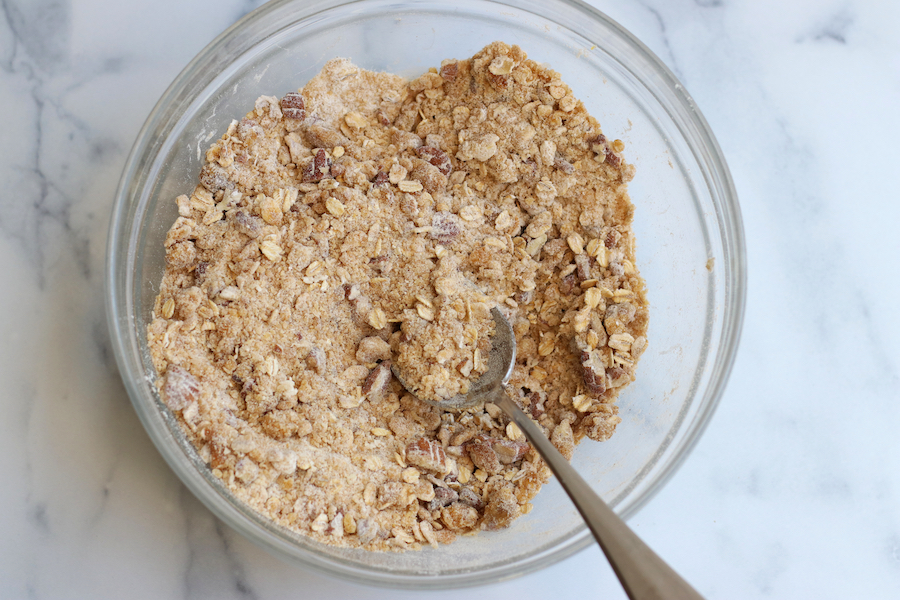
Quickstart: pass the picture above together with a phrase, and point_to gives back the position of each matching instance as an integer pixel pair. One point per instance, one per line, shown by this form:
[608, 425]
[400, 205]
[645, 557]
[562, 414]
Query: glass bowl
[687, 225]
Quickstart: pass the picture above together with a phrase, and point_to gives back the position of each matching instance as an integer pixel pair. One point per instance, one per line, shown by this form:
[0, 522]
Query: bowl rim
[120, 284]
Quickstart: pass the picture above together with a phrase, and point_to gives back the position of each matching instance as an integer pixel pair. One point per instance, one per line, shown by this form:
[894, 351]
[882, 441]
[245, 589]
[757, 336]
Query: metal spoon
[643, 574]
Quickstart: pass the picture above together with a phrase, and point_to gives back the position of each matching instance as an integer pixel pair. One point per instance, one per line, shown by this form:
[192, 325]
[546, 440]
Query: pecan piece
[381, 178]
[501, 510]
[449, 70]
[459, 516]
[445, 227]
[467, 496]
[613, 160]
[377, 380]
[214, 178]
[248, 224]
[498, 81]
[583, 264]
[442, 497]
[318, 168]
[569, 284]
[618, 377]
[181, 388]
[428, 455]
[509, 451]
[483, 455]
[593, 372]
[382, 117]
[597, 143]
[612, 239]
[436, 157]
[563, 165]
[292, 106]
[319, 136]
[536, 406]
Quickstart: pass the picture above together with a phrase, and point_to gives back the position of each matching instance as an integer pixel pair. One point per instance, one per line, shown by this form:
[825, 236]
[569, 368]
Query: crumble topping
[366, 221]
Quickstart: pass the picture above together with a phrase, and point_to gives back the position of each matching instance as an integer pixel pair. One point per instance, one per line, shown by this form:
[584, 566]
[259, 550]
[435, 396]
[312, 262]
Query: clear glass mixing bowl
[688, 227]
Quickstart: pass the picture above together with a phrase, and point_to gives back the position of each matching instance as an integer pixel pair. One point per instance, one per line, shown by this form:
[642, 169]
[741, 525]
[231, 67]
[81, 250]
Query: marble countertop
[794, 490]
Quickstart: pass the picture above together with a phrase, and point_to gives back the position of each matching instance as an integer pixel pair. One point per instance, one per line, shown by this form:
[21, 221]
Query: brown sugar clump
[364, 222]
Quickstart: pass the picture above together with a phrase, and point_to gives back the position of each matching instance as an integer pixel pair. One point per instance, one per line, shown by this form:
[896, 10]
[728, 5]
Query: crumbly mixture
[367, 220]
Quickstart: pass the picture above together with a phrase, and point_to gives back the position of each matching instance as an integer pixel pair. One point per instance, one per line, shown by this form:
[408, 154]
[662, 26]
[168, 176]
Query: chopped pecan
[248, 224]
[498, 81]
[612, 159]
[597, 143]
[563, 165]
[612, 239]
[377, 380]
[445, 226]
[618, 377]
[437, 157]
[569, 284]
[442, 497]
[382, 117]
[214, 178]
[428, 455]
[380, 179]
[449, 70]
[536, 406]
[218, 453]
[501, 510]
[459, 516]
[248, 128]
[467, 496]
[319, 136]
[292, 106]
[483, 455]
[181, 388]
[318, 168]
[583, 264]
[509, 451]
[338, 169]
[593, 372]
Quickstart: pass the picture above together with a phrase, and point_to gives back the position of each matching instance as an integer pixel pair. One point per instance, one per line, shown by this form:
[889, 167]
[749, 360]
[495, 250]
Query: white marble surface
[793, 492]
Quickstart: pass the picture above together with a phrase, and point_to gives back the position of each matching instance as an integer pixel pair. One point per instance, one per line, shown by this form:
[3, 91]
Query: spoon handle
[643, 574]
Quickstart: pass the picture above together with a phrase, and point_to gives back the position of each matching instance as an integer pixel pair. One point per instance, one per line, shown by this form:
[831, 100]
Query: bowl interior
[686, 223]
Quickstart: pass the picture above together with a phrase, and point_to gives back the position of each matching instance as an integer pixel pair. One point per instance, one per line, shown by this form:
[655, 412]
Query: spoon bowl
[501, 362]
